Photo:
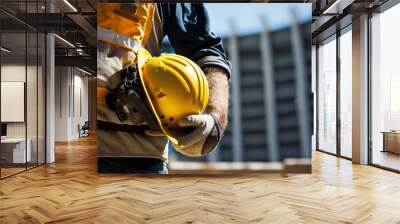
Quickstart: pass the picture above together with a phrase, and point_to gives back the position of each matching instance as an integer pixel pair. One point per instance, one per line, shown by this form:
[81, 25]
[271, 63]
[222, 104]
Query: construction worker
[124, 29]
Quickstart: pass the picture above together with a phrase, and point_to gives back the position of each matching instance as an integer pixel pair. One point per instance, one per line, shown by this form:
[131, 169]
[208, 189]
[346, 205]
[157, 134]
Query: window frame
[339, 32]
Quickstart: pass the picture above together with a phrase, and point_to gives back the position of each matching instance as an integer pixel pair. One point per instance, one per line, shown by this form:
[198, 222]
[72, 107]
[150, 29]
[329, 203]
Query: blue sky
[247, 16]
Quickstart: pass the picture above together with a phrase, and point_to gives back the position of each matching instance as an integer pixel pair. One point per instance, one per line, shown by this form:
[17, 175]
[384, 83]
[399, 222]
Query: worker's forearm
[218, 101]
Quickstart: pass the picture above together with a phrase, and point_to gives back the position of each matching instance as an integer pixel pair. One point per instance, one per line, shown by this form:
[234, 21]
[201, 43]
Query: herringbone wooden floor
[70, 191]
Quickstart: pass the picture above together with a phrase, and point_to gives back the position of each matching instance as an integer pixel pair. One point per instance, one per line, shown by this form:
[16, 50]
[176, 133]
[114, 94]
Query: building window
[385, 89]
[345, 92]
[327, 96]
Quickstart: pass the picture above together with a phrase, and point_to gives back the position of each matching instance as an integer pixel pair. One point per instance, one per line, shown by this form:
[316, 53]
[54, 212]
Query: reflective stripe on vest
[118, 39]
[127, 25]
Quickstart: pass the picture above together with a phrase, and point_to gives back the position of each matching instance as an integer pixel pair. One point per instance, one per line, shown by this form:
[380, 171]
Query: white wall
[80, 102]
[62, 78]
[12, 73]
[71, 94]
[33, 126]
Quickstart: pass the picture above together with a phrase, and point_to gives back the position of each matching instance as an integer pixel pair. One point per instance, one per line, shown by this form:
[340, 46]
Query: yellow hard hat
[175, 87]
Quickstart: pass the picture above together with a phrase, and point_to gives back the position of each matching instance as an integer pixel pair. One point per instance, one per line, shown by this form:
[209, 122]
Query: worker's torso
[138, 25]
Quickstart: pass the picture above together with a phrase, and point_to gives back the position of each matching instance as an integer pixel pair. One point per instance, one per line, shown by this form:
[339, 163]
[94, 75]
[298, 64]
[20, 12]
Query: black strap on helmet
[130, 93]
[109, 126]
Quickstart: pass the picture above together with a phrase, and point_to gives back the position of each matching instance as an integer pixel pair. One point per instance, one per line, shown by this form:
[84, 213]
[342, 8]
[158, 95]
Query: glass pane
[32, 98]
[385, 86]
[41, 98]
[345, 94]
[313, 89]
[327, 96]
[13, 86]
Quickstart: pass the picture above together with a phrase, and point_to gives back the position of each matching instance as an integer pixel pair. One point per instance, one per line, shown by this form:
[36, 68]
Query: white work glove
[106, 65]
[111, 60]
[201, 140]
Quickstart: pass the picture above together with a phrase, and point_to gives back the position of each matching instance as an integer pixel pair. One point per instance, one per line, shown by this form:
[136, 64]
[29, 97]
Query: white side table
[19, 154]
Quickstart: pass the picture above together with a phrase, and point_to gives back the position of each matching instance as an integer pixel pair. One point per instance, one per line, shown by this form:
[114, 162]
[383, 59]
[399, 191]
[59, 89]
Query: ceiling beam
[337, 7]
[79, 61]
[86, 27]
[49, 22]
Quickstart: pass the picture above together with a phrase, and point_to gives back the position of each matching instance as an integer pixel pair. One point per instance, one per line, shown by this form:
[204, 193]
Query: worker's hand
[107, 67]
[110, 60]
[203, 138]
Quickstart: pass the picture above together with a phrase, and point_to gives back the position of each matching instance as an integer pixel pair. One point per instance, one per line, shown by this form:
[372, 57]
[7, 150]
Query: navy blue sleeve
[188, 29]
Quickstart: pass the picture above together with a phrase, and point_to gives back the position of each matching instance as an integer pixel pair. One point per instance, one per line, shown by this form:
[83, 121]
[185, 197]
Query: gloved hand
[106, 65]
[201, 140]
[110, 60]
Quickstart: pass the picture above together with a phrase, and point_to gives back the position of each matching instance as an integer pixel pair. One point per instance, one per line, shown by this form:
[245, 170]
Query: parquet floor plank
[71, 191]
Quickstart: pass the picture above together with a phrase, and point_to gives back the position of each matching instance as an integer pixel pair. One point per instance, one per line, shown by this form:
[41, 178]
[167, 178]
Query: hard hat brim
[143, 56]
